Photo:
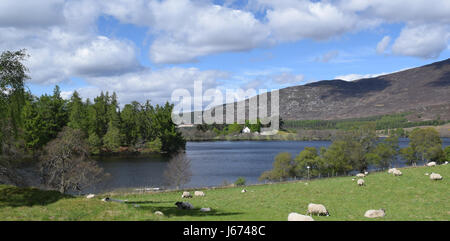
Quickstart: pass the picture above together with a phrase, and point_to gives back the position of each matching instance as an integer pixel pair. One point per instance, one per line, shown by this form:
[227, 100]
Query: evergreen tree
[77, 113]
[111, 140]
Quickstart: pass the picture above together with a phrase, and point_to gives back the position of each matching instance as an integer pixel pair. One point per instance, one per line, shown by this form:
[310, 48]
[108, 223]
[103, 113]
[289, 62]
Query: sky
[144, 49]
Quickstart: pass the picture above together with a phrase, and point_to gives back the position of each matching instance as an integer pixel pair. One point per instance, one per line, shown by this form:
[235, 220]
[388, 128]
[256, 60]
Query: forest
[29, 122]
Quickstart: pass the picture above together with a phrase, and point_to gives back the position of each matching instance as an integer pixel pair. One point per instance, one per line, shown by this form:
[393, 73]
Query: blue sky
[146, 49]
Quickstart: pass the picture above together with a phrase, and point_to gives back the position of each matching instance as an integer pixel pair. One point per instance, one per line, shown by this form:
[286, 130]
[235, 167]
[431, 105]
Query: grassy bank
[412, 196]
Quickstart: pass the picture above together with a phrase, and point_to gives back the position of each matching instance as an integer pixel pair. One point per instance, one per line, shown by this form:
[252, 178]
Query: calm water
[212, 163]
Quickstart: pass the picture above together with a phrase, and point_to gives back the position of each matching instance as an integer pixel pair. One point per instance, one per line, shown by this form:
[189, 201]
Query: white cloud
[195, 30]
[156, 85]
[103, 56]
[185, 30]
[383, 44]
[424, 41]
[413, 11]
[328, 56]
[316, 20]
[63, 48]
[31, 13]
[288, 78]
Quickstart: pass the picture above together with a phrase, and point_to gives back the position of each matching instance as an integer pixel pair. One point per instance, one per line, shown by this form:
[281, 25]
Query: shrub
[240, 181]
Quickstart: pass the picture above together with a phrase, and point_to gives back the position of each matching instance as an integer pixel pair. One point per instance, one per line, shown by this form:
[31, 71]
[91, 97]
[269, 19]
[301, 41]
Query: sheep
[90, 196]
[159, 213]
[435, 176]
[243, 190]
[397, 172]
[375, 213]
[360, 175]
[366, 173]
[445, 163]
[205, 209]
[186, 195]
[184, 205]
[353, 179]
[431, 164]
[299, 217]
[391, 170]
[360, 182]
[199, 194]
[317, 209]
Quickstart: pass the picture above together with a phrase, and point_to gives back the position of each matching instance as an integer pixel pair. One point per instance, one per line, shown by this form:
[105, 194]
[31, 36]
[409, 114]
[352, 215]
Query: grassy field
[412, 196]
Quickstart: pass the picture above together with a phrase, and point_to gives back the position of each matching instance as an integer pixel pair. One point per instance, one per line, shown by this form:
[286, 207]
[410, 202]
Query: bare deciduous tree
[178, 170]
[66, 164]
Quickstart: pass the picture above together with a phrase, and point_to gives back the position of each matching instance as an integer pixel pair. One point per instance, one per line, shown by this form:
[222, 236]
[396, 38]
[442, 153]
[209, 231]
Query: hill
[412, 196]
[422, 91]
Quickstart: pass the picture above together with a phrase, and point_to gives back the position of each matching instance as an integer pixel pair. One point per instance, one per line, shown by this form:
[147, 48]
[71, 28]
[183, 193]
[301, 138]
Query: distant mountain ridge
[424, 91]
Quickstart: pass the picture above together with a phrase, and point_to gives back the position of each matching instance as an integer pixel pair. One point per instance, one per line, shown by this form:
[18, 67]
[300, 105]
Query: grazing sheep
[360, 175]
[391, 170]
[299, 217]
[375, 213]
[199, 193]
[445, 163]
[431, 164]
[360, 182]
[435, 176]
[397, 172]
[243, 190]
[186, 195]
[205, 209]
[366, 173]
[317, 209]
[90, 196]
[159, 213]
[184, 205]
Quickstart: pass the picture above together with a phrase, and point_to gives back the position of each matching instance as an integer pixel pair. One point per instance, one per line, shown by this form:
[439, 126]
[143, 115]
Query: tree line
[105, 125]
[355, 150]
[382, 122]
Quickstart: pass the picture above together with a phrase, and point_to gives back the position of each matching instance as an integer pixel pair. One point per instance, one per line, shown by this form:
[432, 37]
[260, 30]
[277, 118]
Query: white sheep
[431, 164]
[317, 209]
[445, 163]
[366, 173]
[435, 176]
[186, 195]
[360, 182]
[397, 172]
[360, 175]
[391, 170]
[375, 213]
[199, 194]
[299, 217]
[243, 190]
[205, 209]
[159, 213]
[90, 196]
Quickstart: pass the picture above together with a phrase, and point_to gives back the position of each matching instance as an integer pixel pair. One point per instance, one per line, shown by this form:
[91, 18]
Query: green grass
[412, 196]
